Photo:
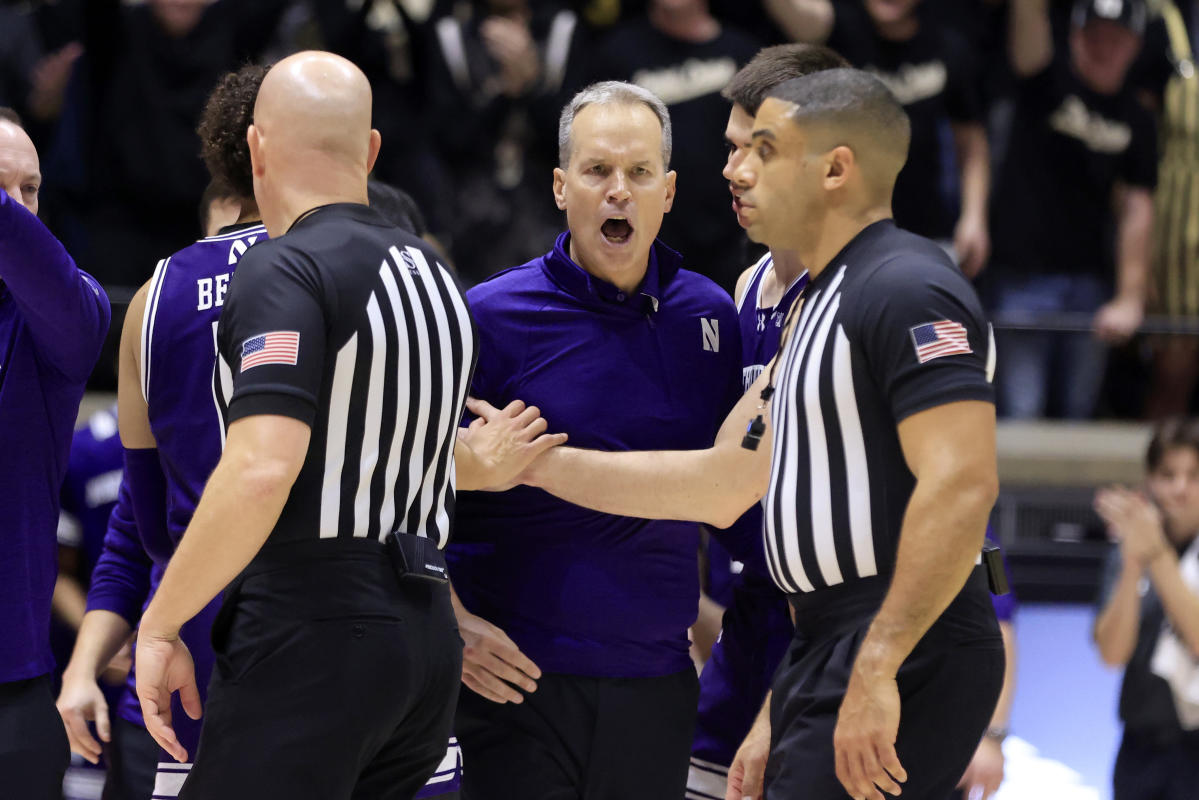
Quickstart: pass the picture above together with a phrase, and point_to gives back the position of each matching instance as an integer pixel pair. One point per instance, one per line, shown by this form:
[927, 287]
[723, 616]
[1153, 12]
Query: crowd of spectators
[1054, 145]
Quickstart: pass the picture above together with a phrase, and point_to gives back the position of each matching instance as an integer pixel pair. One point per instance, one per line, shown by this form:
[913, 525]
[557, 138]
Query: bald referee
[876, 455]
[347, 348]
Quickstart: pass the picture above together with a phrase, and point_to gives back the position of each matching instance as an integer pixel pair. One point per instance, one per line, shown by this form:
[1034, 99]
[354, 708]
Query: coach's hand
[491, 662]
[504, 442]
[165, 666]
[748, 770]
[864, 739]
[81, 701]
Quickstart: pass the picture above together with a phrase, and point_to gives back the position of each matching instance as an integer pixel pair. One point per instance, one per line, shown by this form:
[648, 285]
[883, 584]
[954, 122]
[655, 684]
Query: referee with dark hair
[878, 464]
[347, 348]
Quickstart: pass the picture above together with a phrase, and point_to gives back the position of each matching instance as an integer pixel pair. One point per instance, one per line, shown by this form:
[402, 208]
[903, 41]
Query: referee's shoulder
[911, 265]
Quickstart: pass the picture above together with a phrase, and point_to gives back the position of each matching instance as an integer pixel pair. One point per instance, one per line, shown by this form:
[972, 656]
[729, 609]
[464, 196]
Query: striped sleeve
[924, 333]
[272, 335]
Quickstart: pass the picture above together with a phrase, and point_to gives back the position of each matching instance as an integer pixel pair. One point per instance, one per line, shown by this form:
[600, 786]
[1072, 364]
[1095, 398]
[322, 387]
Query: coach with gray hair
[579, 681]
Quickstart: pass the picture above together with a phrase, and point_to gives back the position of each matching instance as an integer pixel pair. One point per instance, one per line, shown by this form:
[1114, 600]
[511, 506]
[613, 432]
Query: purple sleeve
[147, 489]
[66, 310]
[121, 579]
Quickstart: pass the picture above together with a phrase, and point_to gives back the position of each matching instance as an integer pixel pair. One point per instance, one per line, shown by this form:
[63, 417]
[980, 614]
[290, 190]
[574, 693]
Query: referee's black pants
[333, 679]
[34, 752]
[580, 738]
[948, 688]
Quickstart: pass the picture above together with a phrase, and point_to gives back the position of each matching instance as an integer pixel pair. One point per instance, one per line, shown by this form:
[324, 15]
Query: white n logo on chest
[710, 332]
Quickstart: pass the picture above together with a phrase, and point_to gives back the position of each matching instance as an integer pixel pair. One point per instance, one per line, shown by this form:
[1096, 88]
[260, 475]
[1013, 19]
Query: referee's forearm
[691, 485]
[942, 535]
[236, 513]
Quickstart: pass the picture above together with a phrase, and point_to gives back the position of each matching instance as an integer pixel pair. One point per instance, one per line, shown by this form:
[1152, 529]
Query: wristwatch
[996, 733]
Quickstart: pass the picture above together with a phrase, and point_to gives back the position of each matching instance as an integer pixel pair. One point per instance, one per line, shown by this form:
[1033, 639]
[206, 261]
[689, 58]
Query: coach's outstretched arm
[951, 451]
[715, 486]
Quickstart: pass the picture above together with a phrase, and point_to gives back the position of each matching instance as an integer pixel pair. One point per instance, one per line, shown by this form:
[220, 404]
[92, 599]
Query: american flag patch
[276, 347]
[936, 339]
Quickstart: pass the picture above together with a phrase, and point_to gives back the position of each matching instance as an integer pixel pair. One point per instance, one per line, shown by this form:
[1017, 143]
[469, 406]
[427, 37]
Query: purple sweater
[53, 319]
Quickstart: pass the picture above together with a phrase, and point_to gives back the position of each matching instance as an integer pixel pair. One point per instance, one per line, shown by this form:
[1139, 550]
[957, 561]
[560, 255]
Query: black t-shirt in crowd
[935, 78]
[1051, 211]
[688, 77]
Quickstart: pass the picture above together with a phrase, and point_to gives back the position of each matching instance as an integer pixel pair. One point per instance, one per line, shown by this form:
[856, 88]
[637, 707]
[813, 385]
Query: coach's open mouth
[616, 230]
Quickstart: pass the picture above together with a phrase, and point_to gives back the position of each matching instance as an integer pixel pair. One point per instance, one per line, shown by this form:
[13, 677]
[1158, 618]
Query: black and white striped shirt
[351, 325]
[888, 329]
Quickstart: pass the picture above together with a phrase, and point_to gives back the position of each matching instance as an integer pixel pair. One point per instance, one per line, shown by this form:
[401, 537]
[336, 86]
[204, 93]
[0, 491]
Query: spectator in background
[19, 54]
[683, 54]
[1172, 81]
[930, 69]
[501, 72]
[149, 69]
[1081, 145]
[392, 43]
[1148, 619]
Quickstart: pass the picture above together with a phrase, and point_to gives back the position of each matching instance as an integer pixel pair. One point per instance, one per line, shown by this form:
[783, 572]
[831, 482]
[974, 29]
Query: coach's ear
[254, 140]
[560, 188]
[373, 150]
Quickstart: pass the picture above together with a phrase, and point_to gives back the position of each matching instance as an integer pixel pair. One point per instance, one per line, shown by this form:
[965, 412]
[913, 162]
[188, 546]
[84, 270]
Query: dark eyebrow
[764, 133]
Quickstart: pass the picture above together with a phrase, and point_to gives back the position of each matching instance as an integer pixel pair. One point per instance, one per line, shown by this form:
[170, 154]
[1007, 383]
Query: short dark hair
[774, 65]
[8, 115]
[397, 206]
[1168, 435]
[216, 190]
[854, 109]
[227, 115]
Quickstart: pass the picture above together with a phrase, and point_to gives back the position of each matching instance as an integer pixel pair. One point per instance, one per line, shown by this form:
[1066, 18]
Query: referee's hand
[492, 664]
[864, 739]
[165, 666]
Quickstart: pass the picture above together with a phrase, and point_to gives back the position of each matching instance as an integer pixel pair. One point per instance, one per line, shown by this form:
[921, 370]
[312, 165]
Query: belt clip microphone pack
[416, 558]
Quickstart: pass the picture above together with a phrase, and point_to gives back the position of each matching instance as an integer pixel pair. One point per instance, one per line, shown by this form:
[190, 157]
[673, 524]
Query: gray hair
[611, 93]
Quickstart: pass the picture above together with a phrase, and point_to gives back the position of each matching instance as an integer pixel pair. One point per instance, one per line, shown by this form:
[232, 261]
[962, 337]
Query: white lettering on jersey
[749, 375]
[211, 291]
[239, 248]
[710, 332]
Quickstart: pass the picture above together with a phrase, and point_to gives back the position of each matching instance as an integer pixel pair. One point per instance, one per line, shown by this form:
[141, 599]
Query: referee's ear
[372, 152]
[254, 140]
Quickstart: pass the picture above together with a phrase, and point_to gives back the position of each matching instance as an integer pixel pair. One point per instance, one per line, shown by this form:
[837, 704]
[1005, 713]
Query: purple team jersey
[179, 353]
[580, 592]
[756, 628]
[53, 318]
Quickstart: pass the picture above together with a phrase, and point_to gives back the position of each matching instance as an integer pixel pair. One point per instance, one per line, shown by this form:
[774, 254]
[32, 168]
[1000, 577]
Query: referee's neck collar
[355, 211]
[664, 264]
[865, 235]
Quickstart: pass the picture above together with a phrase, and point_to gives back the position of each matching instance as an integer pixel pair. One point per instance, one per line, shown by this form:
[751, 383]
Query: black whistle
[753, 433]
